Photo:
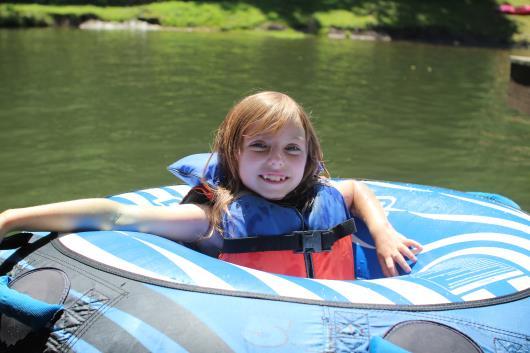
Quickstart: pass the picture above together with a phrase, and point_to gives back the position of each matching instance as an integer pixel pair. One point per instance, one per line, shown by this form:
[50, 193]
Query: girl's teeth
[274, 177]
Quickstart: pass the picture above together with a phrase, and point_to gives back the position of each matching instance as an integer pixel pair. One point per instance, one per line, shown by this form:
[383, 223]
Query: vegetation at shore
[467, 22]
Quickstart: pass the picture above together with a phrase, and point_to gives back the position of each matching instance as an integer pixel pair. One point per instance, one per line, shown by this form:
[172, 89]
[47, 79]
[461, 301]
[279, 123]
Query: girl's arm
[391, 247]
[182, 222]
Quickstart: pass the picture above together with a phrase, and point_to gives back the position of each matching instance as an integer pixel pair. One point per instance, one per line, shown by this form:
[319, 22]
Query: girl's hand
[393, 248]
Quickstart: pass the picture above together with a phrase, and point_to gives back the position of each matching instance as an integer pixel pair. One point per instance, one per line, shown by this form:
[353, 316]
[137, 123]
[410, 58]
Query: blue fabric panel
[329, 209]
[485, 325]
[81, 346]
[380, 345]
[253, 325]
[22, 307]
[190, 169]
[509, 317]
[148, 336]
[251, 215]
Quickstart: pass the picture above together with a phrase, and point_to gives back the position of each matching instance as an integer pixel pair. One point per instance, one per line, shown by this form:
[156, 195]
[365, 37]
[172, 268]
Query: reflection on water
[93, 113]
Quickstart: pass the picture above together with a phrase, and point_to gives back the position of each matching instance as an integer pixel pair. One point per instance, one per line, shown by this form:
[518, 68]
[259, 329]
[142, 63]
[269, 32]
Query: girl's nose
[275, 159]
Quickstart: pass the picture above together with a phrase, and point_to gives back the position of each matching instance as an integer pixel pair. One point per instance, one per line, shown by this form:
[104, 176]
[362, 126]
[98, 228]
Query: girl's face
[272, 165]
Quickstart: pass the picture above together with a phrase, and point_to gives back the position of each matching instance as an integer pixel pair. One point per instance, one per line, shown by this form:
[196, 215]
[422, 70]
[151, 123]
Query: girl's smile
[272, 165]
[272, 178]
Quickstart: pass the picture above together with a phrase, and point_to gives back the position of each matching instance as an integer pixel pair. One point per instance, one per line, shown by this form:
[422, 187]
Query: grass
[467, 21]
[343, 19]
[12, 15]
[522, 34]
[171, 14]
[210, 15]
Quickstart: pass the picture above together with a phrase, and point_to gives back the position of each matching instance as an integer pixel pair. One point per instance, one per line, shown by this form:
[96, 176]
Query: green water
[86, 114]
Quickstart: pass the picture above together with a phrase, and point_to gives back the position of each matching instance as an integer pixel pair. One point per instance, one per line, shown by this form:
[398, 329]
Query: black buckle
[310, 241]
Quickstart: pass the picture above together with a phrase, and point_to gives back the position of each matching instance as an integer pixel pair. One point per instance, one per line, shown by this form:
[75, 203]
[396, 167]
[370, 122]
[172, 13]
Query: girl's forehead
[290, 134]
[293, 129]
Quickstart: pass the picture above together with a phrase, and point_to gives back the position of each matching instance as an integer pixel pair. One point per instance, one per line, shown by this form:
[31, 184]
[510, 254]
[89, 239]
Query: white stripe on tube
[505, 254]
[81, 246]
[485, 281]
[281, 286]
[355, 293]
[475, 219]
[199, 275]
[492, 205]
[135, 198]
[520, 283]
[413, 292]
[494, 237]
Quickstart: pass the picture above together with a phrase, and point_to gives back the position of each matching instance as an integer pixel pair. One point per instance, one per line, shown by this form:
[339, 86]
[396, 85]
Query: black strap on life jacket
[305, 241]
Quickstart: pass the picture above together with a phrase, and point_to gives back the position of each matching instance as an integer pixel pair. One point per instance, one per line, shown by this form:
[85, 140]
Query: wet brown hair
[261, 113]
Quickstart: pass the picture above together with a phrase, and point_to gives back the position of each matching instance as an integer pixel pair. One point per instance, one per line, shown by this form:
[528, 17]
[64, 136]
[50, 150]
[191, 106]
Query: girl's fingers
[413, 246]
[383, 265]
[416, 247]
[400, 260]
[405, 251]
[391, 267]
[385, 271]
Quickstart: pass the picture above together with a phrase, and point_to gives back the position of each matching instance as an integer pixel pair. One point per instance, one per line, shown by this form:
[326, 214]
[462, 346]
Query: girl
[272, 184]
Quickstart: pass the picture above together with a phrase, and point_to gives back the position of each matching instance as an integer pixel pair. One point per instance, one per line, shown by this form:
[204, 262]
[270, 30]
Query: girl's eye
[294, 149]
[258, 146]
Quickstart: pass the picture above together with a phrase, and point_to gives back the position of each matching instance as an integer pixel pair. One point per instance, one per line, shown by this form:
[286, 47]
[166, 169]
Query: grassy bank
[467, 22]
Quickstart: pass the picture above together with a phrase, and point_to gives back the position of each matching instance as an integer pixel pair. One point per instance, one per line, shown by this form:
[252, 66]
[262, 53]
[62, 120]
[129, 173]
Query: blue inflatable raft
[135, 292]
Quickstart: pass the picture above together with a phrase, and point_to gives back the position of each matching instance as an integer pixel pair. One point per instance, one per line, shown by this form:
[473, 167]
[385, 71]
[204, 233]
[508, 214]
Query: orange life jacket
[263, 224]
[334, 264]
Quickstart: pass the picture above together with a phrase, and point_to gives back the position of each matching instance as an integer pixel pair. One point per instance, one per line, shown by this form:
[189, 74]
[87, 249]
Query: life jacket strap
[305, 241]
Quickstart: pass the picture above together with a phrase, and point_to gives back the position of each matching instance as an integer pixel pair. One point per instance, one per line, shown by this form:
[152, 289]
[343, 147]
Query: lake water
[85, 114]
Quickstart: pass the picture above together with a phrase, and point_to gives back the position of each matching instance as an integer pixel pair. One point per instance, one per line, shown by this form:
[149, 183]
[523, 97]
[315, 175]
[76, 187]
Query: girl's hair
[261, 113]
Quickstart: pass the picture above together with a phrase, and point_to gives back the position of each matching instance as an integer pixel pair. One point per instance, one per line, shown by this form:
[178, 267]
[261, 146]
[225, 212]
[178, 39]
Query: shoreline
[333, 34]
[213, 17]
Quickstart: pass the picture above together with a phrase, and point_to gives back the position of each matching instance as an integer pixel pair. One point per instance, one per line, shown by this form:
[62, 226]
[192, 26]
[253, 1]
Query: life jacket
[267, 236]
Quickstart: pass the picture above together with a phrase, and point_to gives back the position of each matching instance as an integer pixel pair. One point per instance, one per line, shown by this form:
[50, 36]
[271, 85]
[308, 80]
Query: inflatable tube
[135, 292]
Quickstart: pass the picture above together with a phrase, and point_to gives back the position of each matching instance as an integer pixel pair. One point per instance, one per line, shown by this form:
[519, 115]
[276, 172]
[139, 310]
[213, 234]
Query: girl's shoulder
[324, 182]
[329, 185]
